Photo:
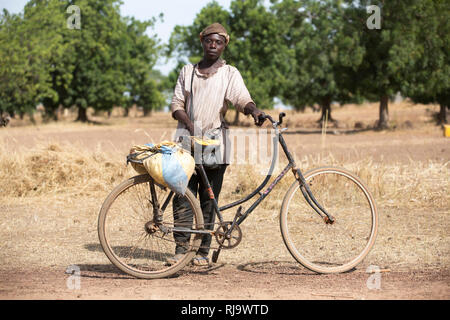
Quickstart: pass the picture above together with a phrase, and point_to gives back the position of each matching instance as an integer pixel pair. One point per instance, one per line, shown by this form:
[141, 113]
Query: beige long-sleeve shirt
[213, 92]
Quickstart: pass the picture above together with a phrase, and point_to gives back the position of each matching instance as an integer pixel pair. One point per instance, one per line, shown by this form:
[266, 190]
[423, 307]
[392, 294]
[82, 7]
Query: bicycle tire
[315, 244]
[125, 218]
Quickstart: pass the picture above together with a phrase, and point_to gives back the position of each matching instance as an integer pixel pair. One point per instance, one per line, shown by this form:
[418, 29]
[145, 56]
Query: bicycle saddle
[205, 142]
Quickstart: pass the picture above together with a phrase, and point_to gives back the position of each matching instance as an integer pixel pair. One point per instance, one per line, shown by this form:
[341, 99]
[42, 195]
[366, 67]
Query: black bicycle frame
[239, 217]
[262, 195]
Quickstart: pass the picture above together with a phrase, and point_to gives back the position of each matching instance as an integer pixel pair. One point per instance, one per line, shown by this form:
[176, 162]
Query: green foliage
[106, 62]
[302, 52]
[390, 51]
[318, 52]
[324, 51]
[430, 81]
[397, 56]
[25, 61]
[143, 83]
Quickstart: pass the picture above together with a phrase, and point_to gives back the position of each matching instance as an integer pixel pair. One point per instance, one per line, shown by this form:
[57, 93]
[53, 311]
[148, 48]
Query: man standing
[214, 86]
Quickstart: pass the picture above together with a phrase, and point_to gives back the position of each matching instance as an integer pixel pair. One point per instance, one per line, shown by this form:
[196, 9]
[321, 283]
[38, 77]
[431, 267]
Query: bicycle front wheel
[137, 245]
[329, 248]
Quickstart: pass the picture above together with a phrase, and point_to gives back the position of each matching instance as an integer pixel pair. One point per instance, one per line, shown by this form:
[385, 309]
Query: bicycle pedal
[215, 256]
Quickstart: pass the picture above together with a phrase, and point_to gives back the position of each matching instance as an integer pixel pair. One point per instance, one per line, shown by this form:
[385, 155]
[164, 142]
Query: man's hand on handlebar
[259, 117]
[257, 114]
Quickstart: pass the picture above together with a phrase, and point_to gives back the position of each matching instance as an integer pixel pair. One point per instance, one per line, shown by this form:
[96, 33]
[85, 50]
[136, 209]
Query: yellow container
[446, 130]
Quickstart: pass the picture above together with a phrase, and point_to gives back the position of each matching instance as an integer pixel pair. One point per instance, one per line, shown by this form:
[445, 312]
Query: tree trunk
[384, 112]
[82, 115]
[442, 116]
[30, 114]
[50, 110]
[126, 111]
[325, 106]
[4, 120]
[50, 114]
[236, 118]
[147, 112]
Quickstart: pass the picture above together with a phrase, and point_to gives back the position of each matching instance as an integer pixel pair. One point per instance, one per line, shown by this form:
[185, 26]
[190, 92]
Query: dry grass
[423, 184]
[51, 193]
[403, 115]
[58, 169]
[70, 170]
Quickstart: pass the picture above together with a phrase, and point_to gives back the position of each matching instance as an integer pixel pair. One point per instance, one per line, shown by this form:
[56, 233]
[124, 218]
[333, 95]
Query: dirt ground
[49, 246]
[248, 281]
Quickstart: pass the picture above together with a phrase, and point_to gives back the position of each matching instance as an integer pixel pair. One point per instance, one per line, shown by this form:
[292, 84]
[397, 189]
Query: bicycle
[328, 220]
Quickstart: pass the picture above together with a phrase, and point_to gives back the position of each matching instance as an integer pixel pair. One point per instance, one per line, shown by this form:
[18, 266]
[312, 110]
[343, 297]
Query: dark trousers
[183, 215]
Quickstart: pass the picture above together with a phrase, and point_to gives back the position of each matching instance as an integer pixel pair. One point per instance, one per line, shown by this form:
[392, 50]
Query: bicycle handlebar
[280, 119]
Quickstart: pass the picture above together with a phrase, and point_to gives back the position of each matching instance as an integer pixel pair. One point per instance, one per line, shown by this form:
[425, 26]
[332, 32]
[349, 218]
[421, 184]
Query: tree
[391, 52]
[100, 52]
[431, 78]
[144, 84]
[107, 60]
[324, 50]
[24, 63]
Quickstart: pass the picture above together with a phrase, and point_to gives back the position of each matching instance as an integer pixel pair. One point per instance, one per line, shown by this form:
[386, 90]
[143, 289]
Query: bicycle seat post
[157, 216]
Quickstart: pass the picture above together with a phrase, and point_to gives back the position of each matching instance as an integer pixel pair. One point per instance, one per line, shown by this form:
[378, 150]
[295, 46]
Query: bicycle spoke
[133, 248]
[133, 241]
[329, 247]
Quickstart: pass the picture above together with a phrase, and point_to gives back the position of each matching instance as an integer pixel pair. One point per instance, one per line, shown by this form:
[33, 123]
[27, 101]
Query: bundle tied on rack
[167, 163]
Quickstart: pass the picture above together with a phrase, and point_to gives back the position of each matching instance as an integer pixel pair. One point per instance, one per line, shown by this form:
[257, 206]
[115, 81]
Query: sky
[176, 12]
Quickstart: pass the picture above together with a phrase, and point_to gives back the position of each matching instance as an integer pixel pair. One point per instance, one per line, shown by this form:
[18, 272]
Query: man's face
[213, 46]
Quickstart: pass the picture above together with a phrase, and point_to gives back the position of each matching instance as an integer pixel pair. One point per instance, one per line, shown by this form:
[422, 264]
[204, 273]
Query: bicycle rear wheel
[130, 238]
[329, 248]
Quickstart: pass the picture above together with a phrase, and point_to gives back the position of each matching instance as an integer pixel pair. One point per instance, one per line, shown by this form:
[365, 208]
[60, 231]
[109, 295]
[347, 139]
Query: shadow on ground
[278, 267]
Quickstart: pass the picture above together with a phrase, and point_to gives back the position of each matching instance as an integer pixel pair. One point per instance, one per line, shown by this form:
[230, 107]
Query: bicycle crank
[227, 239]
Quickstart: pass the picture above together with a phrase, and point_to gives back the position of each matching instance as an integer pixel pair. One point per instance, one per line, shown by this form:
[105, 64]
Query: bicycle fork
[306, 191]
[309, 197]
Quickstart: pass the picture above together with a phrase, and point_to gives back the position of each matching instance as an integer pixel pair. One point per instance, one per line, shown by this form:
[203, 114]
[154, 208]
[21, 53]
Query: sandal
[175, 259]
[200, 260]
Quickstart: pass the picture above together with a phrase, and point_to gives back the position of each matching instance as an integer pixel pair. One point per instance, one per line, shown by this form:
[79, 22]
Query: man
[214, 85]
